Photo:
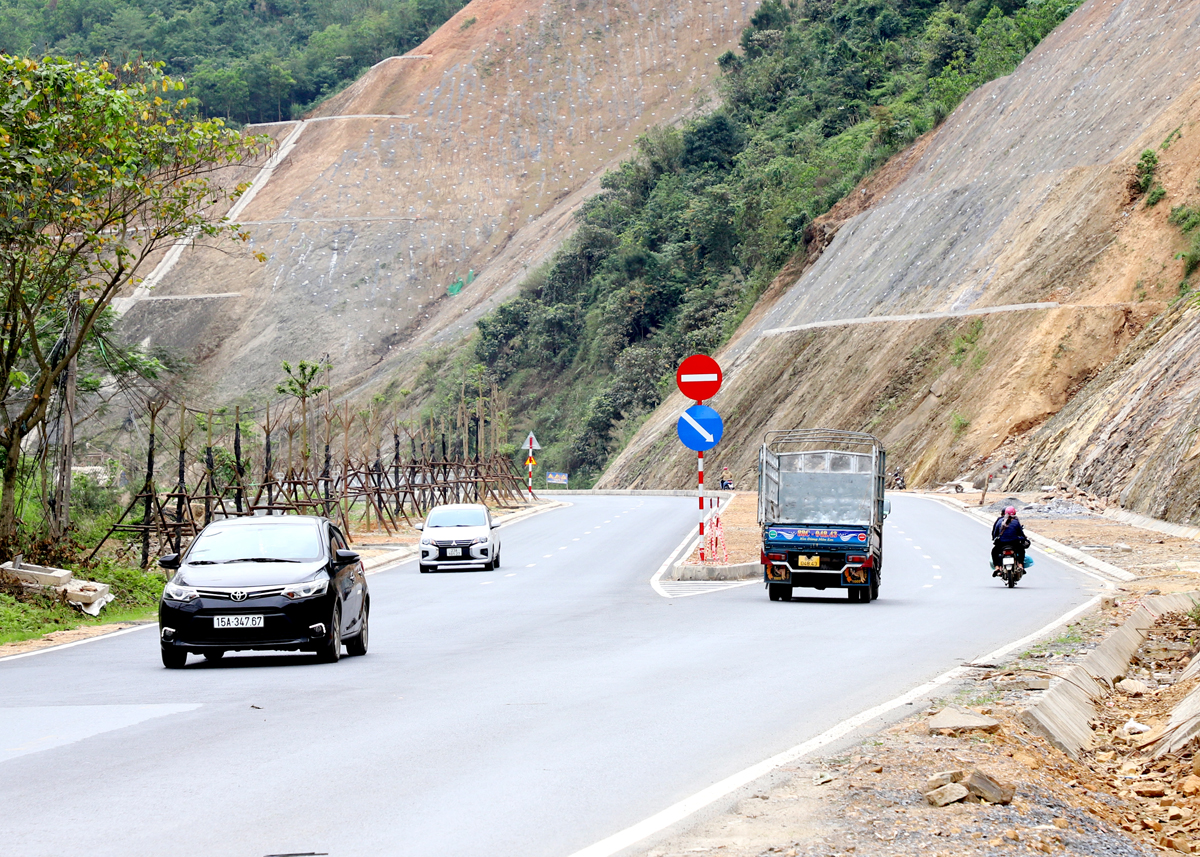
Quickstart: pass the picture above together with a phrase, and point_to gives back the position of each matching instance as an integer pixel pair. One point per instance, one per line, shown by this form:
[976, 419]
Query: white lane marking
[937, 577]
[927, 557]
[574, 540]
[62, 646]
[514, 574]
[687, 418]
[927, 586]
[681, 810]
[563, 548]
[918, 547]
[608, 522]
[547, 556]
[485, 583]
[938, 567]
[684, 588]
[684, 547]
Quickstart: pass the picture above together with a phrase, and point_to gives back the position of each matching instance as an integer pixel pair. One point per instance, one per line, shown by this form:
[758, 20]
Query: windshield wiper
[201, 562]
[259, 559]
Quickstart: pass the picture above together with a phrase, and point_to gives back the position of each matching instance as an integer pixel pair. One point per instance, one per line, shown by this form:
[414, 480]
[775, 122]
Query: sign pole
[700, 470]
[529, 464]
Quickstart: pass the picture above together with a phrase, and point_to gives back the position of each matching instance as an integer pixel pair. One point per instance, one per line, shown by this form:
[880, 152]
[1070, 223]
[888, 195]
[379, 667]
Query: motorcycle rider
[1007, 532]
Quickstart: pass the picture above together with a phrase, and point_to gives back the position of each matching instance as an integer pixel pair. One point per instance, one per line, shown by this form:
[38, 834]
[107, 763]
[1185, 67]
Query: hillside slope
[461, 160]
[1022, 196]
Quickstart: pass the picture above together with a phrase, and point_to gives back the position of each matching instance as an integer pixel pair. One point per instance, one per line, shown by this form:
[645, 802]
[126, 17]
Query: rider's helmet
[1011, 511]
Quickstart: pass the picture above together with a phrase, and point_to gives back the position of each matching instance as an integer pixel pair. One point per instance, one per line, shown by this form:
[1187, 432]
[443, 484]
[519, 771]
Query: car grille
[226, 593]
[454, 543]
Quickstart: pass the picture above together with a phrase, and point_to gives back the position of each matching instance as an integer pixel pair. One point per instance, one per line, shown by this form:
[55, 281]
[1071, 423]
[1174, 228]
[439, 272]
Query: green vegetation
[958, 423]
[1187, 218]
[252, 62]
[25, 614]
[1147, 166]
[1155, 196]
[672, 255]
[964, 344]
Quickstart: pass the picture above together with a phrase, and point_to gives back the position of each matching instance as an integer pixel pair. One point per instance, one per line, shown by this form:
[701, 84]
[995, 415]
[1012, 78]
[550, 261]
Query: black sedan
[270, 582]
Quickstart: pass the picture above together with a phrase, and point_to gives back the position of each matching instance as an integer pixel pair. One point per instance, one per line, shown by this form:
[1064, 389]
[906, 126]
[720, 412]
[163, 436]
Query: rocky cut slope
[409, 204]
[968, 292]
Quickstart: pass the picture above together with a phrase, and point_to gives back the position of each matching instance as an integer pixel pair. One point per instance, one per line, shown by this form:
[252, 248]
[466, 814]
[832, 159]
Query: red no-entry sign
[698, 377]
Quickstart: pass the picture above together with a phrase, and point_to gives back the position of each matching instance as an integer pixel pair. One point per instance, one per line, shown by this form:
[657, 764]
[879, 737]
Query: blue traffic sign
[700, 428]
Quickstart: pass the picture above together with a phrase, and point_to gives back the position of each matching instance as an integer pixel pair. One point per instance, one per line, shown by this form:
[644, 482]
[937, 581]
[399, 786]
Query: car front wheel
[331, 647]
[173, 658]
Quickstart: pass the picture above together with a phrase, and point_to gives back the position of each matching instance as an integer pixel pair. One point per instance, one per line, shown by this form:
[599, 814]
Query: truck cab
[821, 508]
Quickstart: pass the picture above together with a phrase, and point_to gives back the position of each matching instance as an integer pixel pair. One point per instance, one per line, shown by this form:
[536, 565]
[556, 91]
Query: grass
[27, 615]
[958, 423]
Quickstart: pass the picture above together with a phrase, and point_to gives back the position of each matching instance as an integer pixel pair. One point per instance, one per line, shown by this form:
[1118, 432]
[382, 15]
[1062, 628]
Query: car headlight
[481, 540]
[175, 592]
[307, 590]
[426, 541]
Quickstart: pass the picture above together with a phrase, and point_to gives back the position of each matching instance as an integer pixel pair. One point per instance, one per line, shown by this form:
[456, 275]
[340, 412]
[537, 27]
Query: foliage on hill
[673, 253]
[251, 62]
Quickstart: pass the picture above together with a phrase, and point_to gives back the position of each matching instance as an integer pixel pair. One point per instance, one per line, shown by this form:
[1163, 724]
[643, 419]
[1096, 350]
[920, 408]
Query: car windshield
[447, 517]
[297, 541]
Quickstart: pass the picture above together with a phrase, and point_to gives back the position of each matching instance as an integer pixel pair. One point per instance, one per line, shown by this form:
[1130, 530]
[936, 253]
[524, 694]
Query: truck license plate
[808, 561]
[237, 621]
[453, 551]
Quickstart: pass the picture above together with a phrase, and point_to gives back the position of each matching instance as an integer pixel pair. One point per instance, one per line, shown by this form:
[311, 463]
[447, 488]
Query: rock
[986, 788]
[943, 778]
[1108, 756]
[947, 794]
[1133, 687]
[1150, 790]
[1121, 546]
[1191, 786]
[1108, 603]
[952, 720]
[1012, 836]
[1196, 764]
[822, 778]
[1061, 823]
[876, 769]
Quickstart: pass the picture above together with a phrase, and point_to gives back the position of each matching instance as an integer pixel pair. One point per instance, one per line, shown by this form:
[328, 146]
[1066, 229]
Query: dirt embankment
[1021, 197]
[463, 159]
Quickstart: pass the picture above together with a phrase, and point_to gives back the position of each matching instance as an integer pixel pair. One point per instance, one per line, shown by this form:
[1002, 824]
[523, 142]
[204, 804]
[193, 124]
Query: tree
[301, 383]
[98, 170]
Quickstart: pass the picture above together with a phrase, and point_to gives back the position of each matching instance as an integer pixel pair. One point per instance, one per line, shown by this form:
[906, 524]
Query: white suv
[459, 536]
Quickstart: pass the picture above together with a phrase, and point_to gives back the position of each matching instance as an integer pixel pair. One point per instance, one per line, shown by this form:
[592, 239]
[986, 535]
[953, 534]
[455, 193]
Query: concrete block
[85, 591]
[43, 574]
[1062, 714]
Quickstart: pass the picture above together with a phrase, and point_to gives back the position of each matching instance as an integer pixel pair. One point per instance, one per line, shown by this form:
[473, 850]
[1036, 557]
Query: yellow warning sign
[529, 462]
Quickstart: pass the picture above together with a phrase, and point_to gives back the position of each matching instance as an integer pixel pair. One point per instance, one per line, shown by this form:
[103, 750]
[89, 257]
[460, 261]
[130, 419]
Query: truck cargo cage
[821, 476]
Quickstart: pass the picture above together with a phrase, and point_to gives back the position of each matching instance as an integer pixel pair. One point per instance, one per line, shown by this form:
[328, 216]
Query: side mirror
[494, 525]
[345, 557]
[418, 526]
[887, 508]
[170, 560]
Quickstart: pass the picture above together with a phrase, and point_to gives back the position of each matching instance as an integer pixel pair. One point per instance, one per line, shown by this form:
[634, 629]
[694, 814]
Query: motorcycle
[1010, 569]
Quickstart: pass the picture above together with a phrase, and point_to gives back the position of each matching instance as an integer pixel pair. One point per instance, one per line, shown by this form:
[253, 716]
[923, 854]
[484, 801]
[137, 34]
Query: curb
[1064, 713]
[737, 571]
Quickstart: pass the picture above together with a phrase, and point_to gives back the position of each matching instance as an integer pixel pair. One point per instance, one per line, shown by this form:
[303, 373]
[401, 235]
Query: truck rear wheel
[780, 591]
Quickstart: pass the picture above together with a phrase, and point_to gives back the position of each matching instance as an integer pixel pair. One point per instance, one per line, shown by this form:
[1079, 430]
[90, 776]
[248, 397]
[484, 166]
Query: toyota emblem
[238, 595]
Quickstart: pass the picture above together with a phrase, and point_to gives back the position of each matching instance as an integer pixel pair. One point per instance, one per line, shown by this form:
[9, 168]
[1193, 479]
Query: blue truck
[821, 507]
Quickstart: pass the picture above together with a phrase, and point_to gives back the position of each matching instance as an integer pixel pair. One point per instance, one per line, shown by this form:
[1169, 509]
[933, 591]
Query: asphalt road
[527, 711]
